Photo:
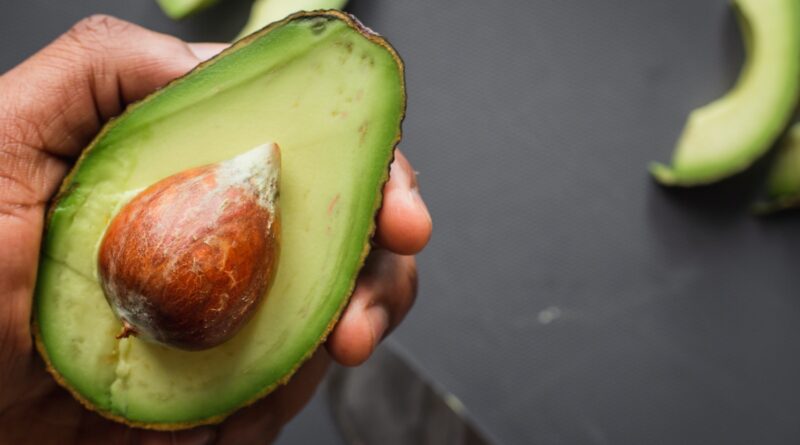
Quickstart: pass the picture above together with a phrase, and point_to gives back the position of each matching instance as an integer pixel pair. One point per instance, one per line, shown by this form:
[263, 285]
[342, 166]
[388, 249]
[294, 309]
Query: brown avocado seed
[186, 262]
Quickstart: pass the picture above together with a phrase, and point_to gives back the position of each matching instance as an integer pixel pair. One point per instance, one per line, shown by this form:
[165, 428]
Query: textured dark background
[564, 297]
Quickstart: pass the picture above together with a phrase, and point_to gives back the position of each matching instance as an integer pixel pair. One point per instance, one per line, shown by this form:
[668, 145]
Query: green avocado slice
[728, 135]
[178, 9]
[265, 12]
[783, 181]
[332, 95]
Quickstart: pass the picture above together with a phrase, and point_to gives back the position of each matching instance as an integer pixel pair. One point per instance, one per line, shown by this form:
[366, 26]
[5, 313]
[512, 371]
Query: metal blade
[386, 401]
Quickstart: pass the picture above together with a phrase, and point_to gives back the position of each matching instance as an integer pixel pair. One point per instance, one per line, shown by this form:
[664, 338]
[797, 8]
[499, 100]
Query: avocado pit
[186, 262]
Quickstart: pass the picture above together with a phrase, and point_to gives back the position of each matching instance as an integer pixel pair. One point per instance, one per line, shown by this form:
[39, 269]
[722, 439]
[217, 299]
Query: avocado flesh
[783, 181]
[728, 135]
[265, 12]
[178, 9]
[332, 95]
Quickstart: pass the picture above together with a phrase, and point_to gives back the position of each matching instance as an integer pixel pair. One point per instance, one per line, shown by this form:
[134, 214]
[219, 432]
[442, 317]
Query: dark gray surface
[313, 426]
[564, 297]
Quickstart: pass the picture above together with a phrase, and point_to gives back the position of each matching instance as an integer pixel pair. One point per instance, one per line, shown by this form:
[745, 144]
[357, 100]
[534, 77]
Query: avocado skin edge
[66, 186]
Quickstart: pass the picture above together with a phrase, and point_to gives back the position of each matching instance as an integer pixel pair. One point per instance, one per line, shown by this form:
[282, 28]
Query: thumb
[51, 106]
[64, 93]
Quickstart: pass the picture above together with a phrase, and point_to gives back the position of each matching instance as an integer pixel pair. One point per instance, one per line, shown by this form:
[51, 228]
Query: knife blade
[387, 401]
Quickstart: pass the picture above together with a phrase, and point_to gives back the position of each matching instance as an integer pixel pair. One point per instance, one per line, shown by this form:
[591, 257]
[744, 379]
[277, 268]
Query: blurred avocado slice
[178, 9]
[783, 182]
[728, 135]
[265, 12]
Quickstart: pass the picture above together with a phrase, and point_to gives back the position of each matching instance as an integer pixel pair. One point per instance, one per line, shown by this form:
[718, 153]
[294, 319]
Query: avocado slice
[178, 9]
[332, 94]
[783, 181]
[265, 12]
[728, 135]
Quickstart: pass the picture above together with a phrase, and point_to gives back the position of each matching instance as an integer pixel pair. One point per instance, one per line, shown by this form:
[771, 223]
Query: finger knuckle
[16, 171]
[20, 163]
[98, 29]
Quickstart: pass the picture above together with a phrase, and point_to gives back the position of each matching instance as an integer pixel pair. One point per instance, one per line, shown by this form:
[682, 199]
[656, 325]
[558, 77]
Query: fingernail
[205, 51]
[198, 436]
[398, 174]
[379, 319]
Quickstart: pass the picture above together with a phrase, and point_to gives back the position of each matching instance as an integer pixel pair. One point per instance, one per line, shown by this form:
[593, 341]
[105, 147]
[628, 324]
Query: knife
[387, 401]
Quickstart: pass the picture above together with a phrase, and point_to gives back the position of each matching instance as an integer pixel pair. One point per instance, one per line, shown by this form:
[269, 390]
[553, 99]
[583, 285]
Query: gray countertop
[564, 297]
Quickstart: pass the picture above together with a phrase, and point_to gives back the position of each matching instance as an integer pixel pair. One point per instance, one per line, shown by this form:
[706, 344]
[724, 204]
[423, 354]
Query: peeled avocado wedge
[265, 12]
[728, 135]
[178, 9]
[783, 181]
[332, 94]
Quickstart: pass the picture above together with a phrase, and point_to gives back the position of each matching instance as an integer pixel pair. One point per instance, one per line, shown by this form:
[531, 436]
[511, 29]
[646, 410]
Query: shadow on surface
[722, 200]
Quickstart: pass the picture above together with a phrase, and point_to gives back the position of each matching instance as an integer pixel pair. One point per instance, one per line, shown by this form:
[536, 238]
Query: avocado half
[332, 94]
[728, 135]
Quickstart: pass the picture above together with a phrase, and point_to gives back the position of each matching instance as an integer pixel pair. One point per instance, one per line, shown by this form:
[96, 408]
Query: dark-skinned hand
[51, 106]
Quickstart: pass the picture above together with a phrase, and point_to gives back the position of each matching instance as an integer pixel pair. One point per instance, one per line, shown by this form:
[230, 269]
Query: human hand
[52, 105]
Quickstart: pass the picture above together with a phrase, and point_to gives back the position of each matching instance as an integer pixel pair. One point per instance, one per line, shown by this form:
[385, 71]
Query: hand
[52, 105]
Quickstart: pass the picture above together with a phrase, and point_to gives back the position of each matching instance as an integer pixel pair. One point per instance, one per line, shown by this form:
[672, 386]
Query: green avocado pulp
[728, 135]
[332, 96]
